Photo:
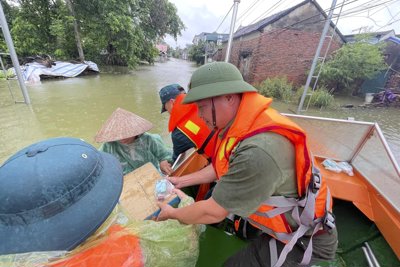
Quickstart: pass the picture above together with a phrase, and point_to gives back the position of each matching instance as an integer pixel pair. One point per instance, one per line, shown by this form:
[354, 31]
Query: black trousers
[257, 254]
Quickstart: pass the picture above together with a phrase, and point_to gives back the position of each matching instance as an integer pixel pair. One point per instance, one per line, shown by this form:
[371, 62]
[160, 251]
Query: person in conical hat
[124, 135]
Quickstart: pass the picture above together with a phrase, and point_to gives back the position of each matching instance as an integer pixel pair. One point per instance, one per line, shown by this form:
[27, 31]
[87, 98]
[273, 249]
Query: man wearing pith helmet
[265, 179]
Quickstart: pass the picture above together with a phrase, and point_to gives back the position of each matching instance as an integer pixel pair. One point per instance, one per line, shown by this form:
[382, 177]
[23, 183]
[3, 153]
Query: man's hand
[165, 213]
[165, 167]
[203, 176]
[166, 210]
[175, 181]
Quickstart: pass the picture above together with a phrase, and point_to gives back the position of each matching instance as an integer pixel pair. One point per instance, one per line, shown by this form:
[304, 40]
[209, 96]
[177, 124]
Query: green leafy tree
[351, 64]
[124, 32]
[196, 52]
[31, 28]
[10, 14]
[112, 32]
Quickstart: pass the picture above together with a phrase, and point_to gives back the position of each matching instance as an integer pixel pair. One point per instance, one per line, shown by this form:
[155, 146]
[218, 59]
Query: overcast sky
[206, 15]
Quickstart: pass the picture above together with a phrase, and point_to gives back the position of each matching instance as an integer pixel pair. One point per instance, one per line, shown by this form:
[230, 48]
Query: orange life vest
[185, 118]
[117, 248]
[253, 117]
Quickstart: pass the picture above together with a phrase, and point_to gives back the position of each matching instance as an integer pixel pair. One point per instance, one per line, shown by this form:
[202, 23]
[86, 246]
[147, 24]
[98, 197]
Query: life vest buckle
[316, 182]
[329, 221]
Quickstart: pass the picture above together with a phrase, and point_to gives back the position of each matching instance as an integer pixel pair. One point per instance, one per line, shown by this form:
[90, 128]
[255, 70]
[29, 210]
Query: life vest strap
[305, 219]
[205, 143]
[273, 251]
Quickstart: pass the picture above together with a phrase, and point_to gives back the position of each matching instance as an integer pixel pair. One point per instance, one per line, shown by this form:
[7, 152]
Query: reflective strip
[193, 127]
[221, 152]
[226, 146]
[231, 142]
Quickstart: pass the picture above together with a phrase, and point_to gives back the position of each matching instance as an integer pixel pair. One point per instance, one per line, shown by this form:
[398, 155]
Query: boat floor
[354, 228]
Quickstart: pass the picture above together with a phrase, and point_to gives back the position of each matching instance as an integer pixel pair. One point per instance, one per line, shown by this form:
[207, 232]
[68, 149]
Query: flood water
[77, 107]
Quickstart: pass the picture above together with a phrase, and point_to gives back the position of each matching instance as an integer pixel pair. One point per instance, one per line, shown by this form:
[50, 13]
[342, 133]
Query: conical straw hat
[122, 124]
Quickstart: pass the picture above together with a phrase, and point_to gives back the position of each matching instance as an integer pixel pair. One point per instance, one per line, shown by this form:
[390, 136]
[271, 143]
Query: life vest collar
[179, 112]
[250, 114]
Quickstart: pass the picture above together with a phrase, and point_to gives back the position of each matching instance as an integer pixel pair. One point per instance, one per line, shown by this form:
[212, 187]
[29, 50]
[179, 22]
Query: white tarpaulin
[32, 71]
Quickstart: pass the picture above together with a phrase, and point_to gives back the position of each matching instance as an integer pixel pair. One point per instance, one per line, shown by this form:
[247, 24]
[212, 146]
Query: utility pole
[205, 52]
[314, 63]
[13, 54]
[234, 14]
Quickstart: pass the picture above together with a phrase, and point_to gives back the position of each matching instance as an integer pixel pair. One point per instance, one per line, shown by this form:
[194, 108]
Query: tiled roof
[264, 22]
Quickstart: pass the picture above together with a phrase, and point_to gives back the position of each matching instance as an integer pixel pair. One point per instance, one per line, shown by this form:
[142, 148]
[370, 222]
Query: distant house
[373, 37]
[283, 44]
[162, 48]
[216, 38]
[212, 42]
[162, 52]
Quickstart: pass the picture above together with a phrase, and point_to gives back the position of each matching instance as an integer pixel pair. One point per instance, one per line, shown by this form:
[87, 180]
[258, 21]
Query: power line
[365, 9]
[264, 15]
[346, 2]
[317, 15]
[369, 7]
[243, 17]
[248, 9]
[298, 22]
[314, 16]
[390, 22]
[224, 19]
[240, 17]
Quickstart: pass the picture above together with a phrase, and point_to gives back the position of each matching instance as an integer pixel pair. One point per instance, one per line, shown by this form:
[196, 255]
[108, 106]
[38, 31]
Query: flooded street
[77, 107]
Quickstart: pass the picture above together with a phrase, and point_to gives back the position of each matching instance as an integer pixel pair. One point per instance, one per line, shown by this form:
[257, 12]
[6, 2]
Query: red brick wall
[279, 53]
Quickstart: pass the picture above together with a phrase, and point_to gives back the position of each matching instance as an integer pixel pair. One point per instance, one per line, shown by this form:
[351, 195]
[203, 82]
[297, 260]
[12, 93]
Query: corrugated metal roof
[394, 39]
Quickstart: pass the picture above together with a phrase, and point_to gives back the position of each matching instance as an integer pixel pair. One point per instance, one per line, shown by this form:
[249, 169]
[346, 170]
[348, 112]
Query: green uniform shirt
[261, 166]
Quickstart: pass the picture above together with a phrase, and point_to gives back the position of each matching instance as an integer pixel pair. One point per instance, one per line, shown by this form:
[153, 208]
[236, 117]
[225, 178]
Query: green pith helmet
[215, 79]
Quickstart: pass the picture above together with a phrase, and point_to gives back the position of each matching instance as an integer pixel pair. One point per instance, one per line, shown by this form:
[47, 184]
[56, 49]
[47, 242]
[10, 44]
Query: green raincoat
[146, 148]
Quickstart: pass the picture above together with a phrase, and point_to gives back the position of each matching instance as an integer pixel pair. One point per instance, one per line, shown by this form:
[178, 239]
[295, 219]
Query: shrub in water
[321, 98]
[277, 87]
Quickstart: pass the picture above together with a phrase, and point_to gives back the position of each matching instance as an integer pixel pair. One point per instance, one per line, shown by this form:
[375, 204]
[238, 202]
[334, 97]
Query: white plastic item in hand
[163, 189]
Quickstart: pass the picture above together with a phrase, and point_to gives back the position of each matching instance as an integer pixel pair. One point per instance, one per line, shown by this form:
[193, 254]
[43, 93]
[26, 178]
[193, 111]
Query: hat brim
[122, 124]
[163, 109]
[71, 227]
[217, 89]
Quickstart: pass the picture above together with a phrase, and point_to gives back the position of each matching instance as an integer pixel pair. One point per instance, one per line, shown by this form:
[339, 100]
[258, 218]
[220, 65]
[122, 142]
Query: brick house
[283, 44]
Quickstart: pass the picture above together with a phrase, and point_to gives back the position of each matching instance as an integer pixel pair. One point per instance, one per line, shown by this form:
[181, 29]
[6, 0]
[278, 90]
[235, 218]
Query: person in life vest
[187, 130]
[265, 176]
[186, 127]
